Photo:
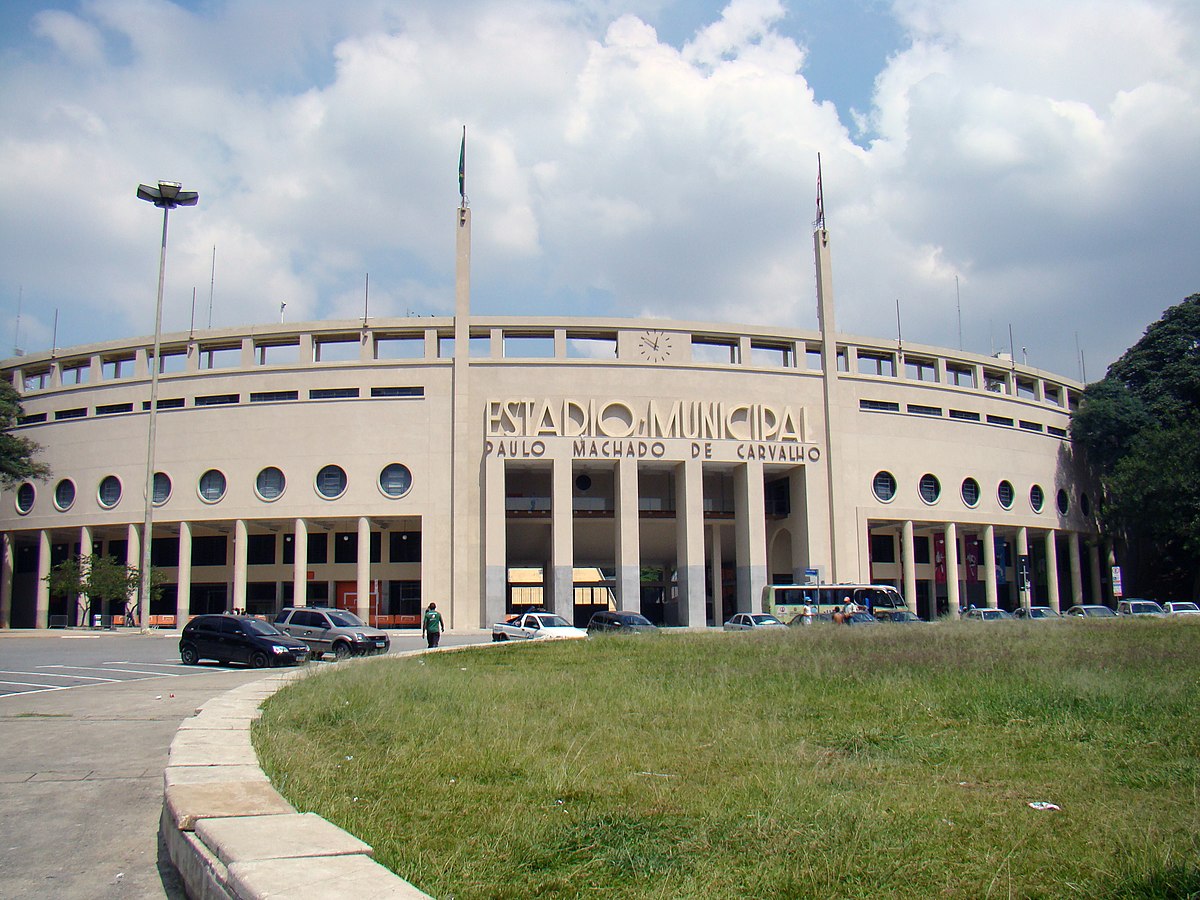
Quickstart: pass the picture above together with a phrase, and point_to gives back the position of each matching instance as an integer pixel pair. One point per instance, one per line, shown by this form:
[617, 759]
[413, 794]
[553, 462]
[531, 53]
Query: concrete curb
[231, 835]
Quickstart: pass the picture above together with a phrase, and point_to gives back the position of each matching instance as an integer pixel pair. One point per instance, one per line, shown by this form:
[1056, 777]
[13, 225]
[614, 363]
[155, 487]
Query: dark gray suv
[335, 631]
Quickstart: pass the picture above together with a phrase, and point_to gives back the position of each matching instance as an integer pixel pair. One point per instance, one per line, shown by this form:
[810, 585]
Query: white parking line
[44, 687]
[108, 668]
[56, 675]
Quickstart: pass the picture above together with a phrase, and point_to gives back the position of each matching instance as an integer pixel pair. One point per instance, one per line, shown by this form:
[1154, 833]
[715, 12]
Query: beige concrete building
[663, 466]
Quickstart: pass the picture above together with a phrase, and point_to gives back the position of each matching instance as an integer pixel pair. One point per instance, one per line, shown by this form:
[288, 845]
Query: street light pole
[166, 197]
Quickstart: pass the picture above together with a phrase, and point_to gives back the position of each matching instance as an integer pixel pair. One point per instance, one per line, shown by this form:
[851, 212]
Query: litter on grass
[1043, 805]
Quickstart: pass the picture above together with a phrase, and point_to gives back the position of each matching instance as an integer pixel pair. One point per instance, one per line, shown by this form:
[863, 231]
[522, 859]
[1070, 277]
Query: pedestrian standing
[431, 625]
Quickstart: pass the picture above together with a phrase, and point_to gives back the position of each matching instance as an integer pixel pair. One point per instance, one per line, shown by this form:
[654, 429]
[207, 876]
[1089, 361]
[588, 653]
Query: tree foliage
[100, 578]
[1139, 429]
[16, 452]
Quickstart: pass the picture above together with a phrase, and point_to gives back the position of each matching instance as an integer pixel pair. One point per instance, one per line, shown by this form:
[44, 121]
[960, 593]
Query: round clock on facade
[654, 346]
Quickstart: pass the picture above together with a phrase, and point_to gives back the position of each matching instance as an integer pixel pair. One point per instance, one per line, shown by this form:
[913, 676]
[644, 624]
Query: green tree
[101, 578]
[1139, 432]
[16, 453]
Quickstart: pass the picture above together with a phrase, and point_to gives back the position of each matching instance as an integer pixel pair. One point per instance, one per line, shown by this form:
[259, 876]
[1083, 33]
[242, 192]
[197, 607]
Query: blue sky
[625, 158]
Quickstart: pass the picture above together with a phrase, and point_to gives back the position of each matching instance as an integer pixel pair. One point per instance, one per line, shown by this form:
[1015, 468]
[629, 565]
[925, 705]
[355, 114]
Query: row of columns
[184, 571]
[749, 531]
[988, 539]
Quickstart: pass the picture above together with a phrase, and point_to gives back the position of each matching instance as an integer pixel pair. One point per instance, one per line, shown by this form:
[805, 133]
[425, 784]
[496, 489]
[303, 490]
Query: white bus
[785, 600]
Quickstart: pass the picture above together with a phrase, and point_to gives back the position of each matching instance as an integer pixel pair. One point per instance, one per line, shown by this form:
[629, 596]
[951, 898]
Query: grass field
[894, 761]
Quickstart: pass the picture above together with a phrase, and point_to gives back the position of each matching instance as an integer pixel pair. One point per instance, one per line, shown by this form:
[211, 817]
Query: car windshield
[342, 619]
[549, 622]
[634, 620]
[1041, 612]
[258, 626]
[1143, 607]
[1098, 611]
[763, 619]
[1185, 607]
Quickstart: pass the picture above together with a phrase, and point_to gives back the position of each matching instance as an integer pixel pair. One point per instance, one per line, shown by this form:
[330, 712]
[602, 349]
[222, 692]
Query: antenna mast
[212, 280]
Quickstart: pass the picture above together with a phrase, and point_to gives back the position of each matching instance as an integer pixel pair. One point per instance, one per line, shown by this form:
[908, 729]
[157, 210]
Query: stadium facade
[491, 463]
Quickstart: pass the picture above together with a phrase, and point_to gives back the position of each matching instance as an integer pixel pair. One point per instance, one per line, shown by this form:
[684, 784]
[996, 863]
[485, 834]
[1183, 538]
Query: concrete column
[908, 565]
[300, 564]
[689, 541]
[952, 595]
[85, 555]
[562, 540]
[364, 569]
[751, 527]
[6, 579]
[989, 566]
[629, 537]
[1052, 568]
[183, 581]
[716, 564]
[240, 539]
[133, 558]
[495, 541]
[1097, 584]
[798, 521]
[1022, 550]
[1076, 568]
[42, 605]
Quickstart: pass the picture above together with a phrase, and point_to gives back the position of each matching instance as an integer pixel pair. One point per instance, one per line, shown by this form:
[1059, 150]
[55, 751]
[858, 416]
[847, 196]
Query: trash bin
[96, 621]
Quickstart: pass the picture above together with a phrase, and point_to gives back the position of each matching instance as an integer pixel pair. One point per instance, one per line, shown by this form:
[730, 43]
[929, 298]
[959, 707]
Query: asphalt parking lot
[87, 720]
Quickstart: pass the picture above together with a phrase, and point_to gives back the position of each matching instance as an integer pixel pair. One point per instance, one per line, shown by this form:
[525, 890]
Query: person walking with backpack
[431, 625]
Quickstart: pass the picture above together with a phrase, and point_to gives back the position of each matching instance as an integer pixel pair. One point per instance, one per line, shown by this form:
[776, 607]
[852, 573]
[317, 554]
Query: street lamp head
[167, 195]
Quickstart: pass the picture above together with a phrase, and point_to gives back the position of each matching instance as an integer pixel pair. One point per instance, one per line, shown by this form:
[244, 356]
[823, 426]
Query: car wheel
[341, 650]
[187, 653]
[258, 660]
[223, 662]
[502, 637]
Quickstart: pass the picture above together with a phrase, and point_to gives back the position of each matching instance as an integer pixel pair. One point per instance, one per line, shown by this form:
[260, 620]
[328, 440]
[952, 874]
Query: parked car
[1091, 611]
[336, 631]
[861, 618]
[243, 639]
[1036, 613]
[899, 617]
[535, 625]
[621, 621]
[752, 622]
[987, 614]
[1181, 608]
[1138, 607]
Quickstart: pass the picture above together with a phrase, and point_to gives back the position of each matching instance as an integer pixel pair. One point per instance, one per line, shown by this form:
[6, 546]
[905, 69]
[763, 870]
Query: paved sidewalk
[81, 787]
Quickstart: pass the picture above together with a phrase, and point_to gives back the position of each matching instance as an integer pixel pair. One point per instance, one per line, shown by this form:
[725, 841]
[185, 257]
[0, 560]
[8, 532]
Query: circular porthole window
[395, 480]
[25, 497]
[1037, 498]
[1064, 503]
[109, 493]
[970, 492]
[331, 482]
[212, 486]
[64, 494]
[1085, 505]
[583, 482]
[1005, 494]
[270, 483]
[930, 488]
[884, 486]
[162, 488]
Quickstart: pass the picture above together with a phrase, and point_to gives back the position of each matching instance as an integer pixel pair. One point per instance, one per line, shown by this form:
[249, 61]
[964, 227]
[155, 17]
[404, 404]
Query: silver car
[752, 622]
[335, 631]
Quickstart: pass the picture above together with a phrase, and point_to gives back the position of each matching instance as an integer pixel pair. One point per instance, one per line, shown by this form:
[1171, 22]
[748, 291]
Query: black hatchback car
[619, 621]
[244, 639]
